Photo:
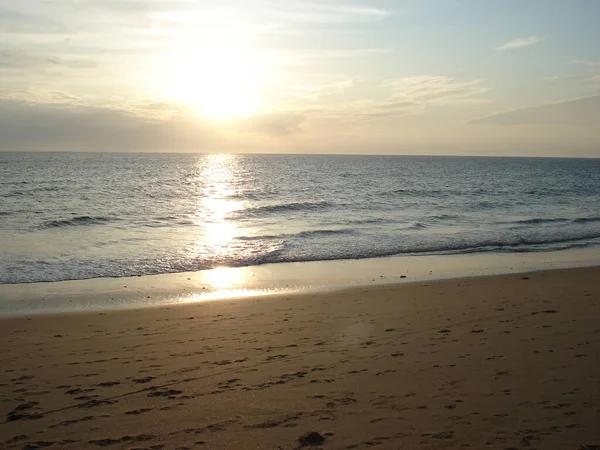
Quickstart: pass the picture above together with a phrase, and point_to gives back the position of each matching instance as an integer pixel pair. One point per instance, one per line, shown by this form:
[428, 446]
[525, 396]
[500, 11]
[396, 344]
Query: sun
[220, 78]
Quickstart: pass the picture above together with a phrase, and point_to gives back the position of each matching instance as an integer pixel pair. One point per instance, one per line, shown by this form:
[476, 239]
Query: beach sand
[498, 362]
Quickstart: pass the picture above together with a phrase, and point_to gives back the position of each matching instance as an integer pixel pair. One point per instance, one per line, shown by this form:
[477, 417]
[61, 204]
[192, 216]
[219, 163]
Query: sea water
[66, 216]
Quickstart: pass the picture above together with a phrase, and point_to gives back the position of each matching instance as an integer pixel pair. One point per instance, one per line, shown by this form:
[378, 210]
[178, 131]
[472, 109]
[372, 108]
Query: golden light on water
[218, 176]
[224, 278]
[218, 232]
[225, 283]
[229, 282]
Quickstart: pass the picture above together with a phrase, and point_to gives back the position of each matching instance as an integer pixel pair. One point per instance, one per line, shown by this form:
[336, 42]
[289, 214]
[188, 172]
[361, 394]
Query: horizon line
[138, 152]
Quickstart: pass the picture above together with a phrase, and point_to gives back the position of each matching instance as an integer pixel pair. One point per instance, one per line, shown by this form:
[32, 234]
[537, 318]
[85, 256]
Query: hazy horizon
[445, 77]
[222, 153]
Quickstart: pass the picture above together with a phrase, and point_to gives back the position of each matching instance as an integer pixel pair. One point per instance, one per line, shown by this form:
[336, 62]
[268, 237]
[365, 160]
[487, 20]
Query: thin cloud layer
[578, 112]
[437, 89]
[587, 63]
[318, 11]
[520, 43]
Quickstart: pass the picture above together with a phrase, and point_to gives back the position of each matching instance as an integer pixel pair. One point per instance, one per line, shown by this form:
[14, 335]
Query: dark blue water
[75, 216]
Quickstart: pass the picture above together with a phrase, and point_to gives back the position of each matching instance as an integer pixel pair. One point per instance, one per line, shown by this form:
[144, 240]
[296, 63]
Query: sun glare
[218, 232]
[218, 76]
[224, 278]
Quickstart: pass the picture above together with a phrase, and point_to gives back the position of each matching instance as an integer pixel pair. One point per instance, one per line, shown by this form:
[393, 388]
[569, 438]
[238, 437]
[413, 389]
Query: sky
[445, 77]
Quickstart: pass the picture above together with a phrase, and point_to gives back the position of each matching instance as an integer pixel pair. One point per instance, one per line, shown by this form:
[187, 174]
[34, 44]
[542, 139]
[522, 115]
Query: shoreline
[497, 362]
[106, 294]
[297, 294]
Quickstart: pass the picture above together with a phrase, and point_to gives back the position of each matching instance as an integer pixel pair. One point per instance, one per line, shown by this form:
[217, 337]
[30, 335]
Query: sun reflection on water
[224, 278]
[218, 173]
[227, 294]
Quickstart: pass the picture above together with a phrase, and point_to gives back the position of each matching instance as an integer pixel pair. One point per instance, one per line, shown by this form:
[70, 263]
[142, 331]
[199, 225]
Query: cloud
[22, 60]
[319, 54]
[66, 126]
[312, 92]
[389, 111]
[18, 22]
[520, 43]
[397, 105]
[274, 125]
[319, 11]
[586, 62]
[91, 16]
[437, 89]
[67, 123]
[362, 111]
[579, 112]
[409, 96]
[587, 74]
[567, 78]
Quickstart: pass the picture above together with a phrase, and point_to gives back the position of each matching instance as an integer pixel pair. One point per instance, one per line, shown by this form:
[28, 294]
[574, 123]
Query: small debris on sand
[312, 438]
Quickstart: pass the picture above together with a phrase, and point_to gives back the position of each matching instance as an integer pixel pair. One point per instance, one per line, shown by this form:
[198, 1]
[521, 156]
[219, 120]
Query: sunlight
[219, 75]
[217, 237]
[218, 232]
[224, 278]
[224, 294]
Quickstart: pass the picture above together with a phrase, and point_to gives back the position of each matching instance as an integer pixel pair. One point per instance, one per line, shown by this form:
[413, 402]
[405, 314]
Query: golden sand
[501, 362]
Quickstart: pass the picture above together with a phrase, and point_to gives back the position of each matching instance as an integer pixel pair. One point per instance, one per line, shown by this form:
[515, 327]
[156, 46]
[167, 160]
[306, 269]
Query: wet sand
[499, 362]
[99, 294]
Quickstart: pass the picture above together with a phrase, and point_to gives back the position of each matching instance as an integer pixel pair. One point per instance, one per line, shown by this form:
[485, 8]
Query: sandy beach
[496, 362]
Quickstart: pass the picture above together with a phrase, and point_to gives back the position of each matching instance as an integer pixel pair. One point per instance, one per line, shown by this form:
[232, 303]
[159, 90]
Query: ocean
[68, 216]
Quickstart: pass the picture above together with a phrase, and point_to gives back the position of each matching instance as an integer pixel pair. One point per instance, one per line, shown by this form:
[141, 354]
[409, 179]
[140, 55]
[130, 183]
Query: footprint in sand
[136, 412]
[167, 393]
[108, 441]
[23, 412]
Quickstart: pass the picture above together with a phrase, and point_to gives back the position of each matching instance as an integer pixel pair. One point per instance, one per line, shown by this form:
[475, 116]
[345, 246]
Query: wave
[15, 182]
[44, 189]
[165, 222]
[484, 204]
[366, 221]
[323, 233]
[43, 271]
[301, 234]
[586, 220]
[539, 220]
[13, 194]
[415, 193]
[317, 233]
[434, 193]
[78, 221]
[511, 244]
[165, 218]
[29, 192]
[284, 207]
[252, 195]
[515, 245]
[443, 217]
[554, 191]
[545, 220]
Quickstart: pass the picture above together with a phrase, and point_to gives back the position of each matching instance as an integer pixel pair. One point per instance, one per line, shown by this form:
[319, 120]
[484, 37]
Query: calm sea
[75, 216]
